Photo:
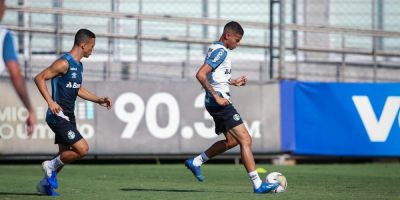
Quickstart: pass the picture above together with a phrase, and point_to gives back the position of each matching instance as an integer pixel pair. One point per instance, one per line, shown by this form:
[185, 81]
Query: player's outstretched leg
[244, 139]
[194, 169]
[43, 187]
[266, 187]
[50, 174]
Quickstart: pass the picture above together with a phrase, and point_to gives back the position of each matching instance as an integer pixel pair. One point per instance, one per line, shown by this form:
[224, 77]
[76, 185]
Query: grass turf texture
[223, 181]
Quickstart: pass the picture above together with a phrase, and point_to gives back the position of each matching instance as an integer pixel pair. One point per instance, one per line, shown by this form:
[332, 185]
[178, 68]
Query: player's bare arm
[240, 81]
[19, 85]
[103, 101]
[201, 75]
[58, 68]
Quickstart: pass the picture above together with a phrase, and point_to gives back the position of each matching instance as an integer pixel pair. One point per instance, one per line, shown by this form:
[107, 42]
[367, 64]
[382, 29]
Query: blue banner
[340, 119]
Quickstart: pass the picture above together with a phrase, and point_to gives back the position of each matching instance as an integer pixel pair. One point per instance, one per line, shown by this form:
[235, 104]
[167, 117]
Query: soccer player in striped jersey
[215, 77]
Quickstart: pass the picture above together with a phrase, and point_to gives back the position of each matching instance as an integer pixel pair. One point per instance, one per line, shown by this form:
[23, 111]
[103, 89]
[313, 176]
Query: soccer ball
[275, 177]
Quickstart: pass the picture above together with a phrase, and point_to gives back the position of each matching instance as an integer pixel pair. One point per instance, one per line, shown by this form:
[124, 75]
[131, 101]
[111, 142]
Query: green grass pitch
[223, 181]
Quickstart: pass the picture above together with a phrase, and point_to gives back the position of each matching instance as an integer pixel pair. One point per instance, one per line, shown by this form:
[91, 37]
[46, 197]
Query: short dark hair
[83, 35]
[235, 27]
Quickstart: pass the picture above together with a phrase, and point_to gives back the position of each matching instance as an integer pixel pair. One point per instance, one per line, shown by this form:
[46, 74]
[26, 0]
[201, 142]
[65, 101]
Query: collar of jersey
[73, 59]
[218, 42]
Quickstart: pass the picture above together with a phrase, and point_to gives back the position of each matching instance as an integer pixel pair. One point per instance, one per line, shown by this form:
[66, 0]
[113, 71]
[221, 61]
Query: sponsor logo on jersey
[220, 53]
[73, 75]
[73, 85]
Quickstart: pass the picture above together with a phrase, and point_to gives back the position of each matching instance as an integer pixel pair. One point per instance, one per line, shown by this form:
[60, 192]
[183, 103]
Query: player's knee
[231, 143]
[83, 151]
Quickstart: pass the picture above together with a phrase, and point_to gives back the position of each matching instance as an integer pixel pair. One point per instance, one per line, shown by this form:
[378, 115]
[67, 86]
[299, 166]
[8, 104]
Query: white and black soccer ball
[277, 177]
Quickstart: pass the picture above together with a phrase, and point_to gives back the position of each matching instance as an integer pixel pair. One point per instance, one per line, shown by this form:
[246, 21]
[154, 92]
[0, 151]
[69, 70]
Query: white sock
[204, 157]
[56, 163]
[200, 159]
[255, 179]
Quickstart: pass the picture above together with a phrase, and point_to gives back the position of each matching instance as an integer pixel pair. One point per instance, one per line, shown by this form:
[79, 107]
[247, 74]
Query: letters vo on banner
[340, 119]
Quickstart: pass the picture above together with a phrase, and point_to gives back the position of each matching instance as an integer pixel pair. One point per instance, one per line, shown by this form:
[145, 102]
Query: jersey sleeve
[9, 48]
[216, 58]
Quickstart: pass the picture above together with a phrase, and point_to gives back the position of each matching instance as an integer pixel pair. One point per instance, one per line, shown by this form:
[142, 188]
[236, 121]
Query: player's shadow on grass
[158, 190]
[19, 194]
[167, 190]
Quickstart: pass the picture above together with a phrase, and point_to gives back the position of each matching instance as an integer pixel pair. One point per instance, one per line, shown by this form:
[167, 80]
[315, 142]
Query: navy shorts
[225, 117]
[66, 132]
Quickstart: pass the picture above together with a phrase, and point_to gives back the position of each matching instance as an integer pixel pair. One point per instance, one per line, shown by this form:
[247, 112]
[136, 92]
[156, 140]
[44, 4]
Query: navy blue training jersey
[65, 88]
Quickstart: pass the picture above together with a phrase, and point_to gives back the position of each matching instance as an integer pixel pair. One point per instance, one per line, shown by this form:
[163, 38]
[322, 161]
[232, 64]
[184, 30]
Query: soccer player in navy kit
[215, 77]
[66, 82]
